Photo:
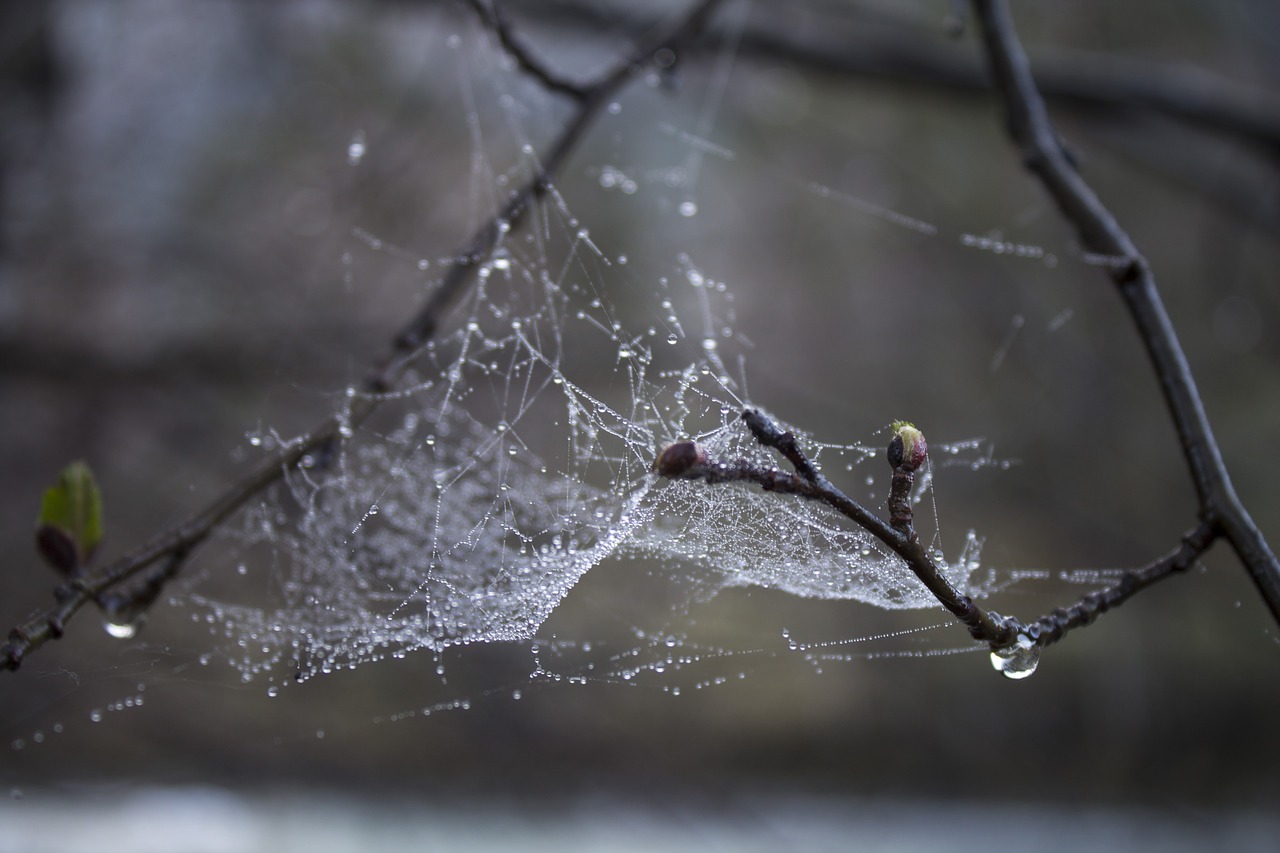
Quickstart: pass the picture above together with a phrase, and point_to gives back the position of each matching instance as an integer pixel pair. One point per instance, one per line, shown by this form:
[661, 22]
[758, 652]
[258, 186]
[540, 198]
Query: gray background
[177, 206]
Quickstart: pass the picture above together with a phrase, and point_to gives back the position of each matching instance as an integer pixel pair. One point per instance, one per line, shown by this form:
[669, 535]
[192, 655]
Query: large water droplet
[123, 630]
[1019, 660]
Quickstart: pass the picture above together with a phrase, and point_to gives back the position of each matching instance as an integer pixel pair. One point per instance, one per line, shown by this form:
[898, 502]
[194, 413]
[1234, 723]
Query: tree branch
[496, 19]
[1099, 231]
[177, 543]
[1054, 626]
[894, 50]
[687, 461]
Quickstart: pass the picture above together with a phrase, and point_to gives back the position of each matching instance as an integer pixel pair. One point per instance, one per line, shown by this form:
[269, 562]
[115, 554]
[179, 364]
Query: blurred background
[210, 221]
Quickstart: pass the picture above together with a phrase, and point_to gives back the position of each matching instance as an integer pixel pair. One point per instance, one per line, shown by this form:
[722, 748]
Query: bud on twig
[908, 448]
[907, 452]
[680, 459]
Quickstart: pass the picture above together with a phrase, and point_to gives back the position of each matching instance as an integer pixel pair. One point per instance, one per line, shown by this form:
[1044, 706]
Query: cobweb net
[516, 453]
[521, 458]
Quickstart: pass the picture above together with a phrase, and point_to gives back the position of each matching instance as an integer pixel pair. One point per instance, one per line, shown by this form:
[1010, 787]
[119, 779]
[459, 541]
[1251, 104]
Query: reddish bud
[907, 448]
[680, 459]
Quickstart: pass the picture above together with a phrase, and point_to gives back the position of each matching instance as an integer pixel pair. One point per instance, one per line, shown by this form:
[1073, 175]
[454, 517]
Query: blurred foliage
[70, 524]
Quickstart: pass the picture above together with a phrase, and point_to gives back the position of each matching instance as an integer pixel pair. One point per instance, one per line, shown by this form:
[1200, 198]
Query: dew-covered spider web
[520, 456]
[515, 455]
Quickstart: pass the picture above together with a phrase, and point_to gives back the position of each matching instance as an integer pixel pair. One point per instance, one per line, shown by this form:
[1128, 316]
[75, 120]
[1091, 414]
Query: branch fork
[1015, 646]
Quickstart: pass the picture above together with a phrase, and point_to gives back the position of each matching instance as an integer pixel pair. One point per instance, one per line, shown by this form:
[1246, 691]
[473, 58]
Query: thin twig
[687, 461]
[1054, 626]
[496, 20]
[768, 434]
[178, 542]
[1099, 231]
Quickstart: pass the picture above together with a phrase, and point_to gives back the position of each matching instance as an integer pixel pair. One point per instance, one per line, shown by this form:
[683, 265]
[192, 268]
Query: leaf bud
[907, 448]
[680, 459]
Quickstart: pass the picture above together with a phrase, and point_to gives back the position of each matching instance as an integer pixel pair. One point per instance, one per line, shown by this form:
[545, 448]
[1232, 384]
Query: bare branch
[685, 460]
[1043, 154]
[1054, 626]
[1101, 84]
[810, 484]
[178, 542]
[768, 434]
[496, 19]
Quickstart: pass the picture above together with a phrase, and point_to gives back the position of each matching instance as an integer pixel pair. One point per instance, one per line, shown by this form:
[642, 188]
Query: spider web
[521, 458]
[517, 454]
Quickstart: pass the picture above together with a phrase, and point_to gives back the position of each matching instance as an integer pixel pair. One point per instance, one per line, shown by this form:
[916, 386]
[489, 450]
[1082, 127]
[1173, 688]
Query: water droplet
[672, 339]
[95, 716]
[1017, 661]
[709, 344]
[123, 630]
[356, 150]
[688, 208]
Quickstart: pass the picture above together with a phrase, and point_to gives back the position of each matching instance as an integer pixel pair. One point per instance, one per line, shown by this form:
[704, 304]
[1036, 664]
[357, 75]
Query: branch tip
[908, 447]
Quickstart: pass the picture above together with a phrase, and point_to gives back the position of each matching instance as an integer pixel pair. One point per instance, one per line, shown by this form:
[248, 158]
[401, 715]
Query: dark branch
[894, 50]
[695, 465]
[496, 19]
[1052, 627]
[177, 543]
[686, 460]
[768, 434]
[1042, 151]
